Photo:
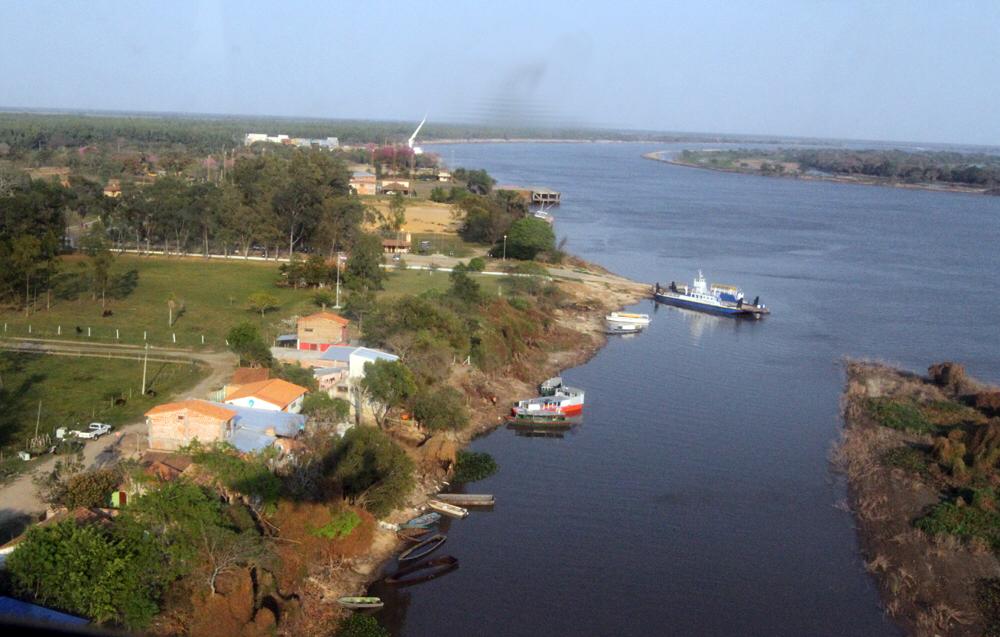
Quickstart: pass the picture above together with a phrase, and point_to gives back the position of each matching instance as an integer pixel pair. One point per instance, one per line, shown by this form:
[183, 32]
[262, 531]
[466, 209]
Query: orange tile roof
[275, 391]
[327, 316]
[201, 406]
[244, 375]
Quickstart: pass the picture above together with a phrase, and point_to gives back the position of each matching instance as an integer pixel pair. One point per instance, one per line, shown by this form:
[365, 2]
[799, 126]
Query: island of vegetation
[920, 454]
[939, 170]
[144, 266]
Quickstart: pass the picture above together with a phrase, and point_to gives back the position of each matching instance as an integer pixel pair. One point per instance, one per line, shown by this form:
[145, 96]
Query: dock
[467, 499]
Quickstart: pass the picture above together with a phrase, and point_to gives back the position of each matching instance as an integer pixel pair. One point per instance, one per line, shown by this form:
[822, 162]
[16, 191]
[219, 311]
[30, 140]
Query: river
[697, 498]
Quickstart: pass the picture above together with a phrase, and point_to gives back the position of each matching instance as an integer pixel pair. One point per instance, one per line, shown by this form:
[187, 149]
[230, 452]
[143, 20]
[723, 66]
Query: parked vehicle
[94, 430]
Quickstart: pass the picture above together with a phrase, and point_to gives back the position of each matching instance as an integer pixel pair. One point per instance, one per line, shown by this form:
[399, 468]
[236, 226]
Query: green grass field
[213, 293]
[79, 390]
[448, 244]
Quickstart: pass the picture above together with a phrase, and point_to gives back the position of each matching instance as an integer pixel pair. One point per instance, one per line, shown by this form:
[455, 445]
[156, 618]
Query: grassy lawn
[80, 390]
[448, 244]
[214, 295]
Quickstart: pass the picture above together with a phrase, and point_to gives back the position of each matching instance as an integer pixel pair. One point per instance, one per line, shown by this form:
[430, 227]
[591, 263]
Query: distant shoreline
[862, 181]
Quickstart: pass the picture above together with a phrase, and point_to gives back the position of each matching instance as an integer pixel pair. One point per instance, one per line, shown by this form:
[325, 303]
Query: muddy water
[697, 497]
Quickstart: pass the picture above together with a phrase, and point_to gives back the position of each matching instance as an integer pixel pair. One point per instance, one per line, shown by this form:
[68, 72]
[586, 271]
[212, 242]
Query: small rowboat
[422, 522]
[448, 509]
[423, 572]
[467, 499]
[414, 534]
[622, 328]
[628, 317]
[423, 549]
[360, 602]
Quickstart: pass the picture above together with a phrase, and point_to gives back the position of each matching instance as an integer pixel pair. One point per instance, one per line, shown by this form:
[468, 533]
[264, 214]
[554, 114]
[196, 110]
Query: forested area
[979, 170]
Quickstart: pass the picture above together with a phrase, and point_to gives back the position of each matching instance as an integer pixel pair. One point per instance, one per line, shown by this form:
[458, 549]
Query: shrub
[471, 466]
[91, 489]
[298, 375]
[528, 237]
[88, 571]
[361, 626]
[896, 414]
[339, 526]
[477, 264]
[966, 520]
[906, 458]
[322, 406]
[442, 408]
[373, 470]
[251, 477]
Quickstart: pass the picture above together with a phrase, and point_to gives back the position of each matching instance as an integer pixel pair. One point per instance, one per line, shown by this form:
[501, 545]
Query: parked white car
[94, 430]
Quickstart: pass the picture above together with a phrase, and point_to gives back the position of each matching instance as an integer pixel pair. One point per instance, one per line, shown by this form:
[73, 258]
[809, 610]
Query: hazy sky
[907, 70]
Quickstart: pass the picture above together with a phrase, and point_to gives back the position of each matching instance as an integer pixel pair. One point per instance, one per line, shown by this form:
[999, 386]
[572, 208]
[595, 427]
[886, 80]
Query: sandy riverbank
[861, 181]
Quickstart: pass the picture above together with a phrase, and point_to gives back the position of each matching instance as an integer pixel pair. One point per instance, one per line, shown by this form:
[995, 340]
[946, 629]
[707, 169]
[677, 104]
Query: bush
[321, 405]
[246, 342]
[251, 477]
[966, 520]
[373, 470]
[529, 237]
[298, 375]
[442, 408]
[91, 489]
[477, 264]
[896, 414]
[86, 570]
[361, 626]
[471, 466]
[339, 526]
[906, 458]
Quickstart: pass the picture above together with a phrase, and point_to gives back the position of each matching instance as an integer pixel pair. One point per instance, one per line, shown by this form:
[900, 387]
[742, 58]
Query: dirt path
[19, 497]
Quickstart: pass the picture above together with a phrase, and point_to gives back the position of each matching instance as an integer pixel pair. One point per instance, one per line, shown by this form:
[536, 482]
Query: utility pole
[145, 361]
[38, 419]
[505, 247]
[337, 306]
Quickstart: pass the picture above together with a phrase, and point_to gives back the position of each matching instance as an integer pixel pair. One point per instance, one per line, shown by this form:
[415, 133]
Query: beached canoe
[423, 549]
[422, 521]
[414, 534]
[467, 499]
[423, 572]
[360, 602]
[448, 509]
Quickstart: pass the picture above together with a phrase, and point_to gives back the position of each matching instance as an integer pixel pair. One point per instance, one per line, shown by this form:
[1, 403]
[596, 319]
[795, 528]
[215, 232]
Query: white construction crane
[417, 150]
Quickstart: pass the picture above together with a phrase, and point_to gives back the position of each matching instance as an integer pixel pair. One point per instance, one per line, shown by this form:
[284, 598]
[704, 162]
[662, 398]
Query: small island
[920, 454]
[977, 173]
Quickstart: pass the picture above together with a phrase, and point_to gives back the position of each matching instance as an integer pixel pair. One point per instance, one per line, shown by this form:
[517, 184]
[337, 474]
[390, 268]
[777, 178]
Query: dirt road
[19, 497]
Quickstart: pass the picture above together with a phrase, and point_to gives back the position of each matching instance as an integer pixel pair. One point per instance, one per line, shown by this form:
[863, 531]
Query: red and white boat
[564, 405]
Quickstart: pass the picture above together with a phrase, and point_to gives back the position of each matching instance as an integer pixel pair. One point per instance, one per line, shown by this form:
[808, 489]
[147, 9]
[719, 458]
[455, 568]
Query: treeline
[976, 170]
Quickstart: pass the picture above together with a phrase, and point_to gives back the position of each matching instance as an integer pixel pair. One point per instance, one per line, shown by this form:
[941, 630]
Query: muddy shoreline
[927, 583]
[489, 398]
[952, 189]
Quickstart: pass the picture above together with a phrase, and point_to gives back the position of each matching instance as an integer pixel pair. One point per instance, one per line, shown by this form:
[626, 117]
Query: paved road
[19, 496]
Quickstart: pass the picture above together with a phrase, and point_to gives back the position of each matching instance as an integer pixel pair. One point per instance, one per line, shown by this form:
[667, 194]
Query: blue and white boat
[716, 298]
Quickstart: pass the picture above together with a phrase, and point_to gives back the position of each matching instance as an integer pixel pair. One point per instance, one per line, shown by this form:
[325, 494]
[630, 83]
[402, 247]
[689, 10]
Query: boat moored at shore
[563, 405]
[727, 300]
[628, 318]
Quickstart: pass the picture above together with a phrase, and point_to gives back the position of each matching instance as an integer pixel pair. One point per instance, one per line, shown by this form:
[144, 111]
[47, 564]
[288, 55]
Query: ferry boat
[628, 318]
[716, 298]
[563, 406]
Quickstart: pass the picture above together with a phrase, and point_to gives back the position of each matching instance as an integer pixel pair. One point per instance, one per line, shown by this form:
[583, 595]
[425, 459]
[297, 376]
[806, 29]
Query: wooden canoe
[448, 509]
[423, 549]
[423, 572]
[414, 534]
[360, 602]
[467, 499]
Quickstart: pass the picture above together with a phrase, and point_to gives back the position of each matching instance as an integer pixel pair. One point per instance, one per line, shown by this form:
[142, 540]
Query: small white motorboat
[448, 509]
[628, 318]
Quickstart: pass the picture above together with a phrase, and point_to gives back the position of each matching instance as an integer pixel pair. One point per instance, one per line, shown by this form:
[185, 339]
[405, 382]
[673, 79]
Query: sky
[877, 70]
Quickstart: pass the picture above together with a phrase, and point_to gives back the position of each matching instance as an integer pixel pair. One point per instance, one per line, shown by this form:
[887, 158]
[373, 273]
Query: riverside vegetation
[921, 455]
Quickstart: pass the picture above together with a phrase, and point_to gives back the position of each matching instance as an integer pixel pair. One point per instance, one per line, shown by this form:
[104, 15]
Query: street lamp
[505, 247]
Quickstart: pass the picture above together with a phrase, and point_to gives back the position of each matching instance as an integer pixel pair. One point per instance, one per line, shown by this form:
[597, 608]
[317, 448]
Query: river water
[697, 497]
